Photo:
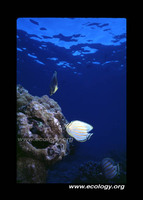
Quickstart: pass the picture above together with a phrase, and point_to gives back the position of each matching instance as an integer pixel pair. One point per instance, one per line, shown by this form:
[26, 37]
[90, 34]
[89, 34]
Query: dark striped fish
[110, 170]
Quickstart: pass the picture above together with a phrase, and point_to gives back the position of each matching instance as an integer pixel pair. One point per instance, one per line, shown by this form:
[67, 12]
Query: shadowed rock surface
[41, 135]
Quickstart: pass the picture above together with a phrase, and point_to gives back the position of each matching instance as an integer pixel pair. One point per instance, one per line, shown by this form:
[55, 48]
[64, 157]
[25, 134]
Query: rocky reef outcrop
[91, 172]
[41, 136]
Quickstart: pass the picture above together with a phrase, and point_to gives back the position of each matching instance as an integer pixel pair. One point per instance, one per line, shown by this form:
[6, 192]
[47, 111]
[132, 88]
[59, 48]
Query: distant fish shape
[53, 84]
[79, 130]
[110, 170]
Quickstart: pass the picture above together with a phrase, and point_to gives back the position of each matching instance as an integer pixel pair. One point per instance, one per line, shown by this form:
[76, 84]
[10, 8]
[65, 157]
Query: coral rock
[30, 171]
[41, 130]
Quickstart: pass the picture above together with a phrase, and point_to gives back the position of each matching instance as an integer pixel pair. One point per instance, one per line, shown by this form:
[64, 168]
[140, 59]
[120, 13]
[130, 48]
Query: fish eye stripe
[68, 126]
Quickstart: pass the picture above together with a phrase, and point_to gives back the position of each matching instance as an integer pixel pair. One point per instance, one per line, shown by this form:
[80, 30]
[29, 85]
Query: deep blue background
[97, 96]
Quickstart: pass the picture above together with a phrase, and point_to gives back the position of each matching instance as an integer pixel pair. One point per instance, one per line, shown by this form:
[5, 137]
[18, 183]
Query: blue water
[89, 55]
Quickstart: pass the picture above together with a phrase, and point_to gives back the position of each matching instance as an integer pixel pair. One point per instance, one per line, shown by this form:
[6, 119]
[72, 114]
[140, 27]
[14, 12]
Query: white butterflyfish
[79, 130]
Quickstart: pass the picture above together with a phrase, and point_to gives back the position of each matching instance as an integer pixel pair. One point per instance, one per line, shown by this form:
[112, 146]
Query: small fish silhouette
[53, 84]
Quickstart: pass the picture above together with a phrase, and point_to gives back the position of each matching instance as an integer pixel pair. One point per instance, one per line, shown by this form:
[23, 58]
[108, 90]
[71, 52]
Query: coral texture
[91, 172]
[30, 171]
[41, 133]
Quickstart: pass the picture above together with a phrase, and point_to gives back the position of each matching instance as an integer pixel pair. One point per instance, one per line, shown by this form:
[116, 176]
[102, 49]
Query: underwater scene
[71, 100]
